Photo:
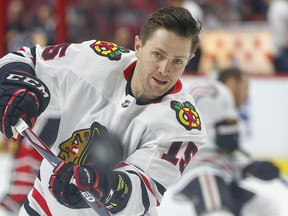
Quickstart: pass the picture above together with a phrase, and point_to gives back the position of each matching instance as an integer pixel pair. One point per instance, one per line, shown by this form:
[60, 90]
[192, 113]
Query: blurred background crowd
[236, 32]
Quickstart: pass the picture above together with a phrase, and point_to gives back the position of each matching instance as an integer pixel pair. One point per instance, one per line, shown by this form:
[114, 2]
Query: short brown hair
[226, 73]
[175, 19]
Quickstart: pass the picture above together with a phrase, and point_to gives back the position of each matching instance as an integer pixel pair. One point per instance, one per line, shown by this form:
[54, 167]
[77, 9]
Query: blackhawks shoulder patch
[110, 50]
[186, 115]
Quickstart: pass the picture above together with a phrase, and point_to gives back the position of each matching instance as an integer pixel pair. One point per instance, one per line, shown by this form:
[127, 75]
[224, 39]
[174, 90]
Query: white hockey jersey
[90, 82]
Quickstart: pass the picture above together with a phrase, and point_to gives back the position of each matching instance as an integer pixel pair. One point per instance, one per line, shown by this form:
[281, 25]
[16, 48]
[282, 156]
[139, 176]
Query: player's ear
[137, 46]
[192, 56]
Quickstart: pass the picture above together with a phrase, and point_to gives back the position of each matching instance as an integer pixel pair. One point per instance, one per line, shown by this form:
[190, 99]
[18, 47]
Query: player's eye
[178, 61]
[158, 55]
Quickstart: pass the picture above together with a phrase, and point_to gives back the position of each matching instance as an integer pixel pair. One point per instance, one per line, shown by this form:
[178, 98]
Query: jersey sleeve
[50, 64]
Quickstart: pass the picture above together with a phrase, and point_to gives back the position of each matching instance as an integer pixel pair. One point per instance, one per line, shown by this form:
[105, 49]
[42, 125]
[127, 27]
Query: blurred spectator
[191, 5]
[44, 21]
[103, 18]
[23, 30]
[278, 19]
[123, 36]
[15, 25]
[253, 10]
[81, 24]
[220, 12]
[15, 15]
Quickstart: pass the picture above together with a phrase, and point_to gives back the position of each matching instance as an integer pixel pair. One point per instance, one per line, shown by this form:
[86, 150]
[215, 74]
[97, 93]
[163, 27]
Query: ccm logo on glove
[30, 81]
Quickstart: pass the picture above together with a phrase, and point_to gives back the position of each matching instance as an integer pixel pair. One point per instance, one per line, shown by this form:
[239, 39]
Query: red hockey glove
[15, 103]
[69, 177]
[264, 170]
[21, 95]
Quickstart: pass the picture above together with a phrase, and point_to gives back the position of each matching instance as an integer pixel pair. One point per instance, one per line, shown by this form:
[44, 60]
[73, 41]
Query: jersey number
[50, 52]
[171, 155]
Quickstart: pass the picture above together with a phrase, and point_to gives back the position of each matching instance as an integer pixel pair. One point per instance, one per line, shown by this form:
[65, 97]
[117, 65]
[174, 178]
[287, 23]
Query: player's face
[161, 61]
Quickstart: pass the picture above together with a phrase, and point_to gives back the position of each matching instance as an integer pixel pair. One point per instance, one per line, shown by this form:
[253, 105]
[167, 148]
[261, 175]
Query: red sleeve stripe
[122, 164]
[41, 202]
[21, 71]
[148, 185]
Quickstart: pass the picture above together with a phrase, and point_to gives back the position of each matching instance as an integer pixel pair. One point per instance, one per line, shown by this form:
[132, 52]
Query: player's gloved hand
[21, 95]
[66, 175]
[264, 170]
[16, 102]
[227, 135]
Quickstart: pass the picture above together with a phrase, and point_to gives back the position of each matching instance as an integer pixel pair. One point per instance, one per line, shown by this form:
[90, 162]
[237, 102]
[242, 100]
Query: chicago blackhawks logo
[186, 115]
[108, 49]
[78, 147]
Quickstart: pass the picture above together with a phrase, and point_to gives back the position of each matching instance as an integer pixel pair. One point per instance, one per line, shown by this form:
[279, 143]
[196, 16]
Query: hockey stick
[249, 156]
[22, 128]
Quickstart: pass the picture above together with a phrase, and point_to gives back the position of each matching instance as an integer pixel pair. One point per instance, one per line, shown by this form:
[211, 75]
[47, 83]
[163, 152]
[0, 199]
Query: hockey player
[99, 86]
[212, 183]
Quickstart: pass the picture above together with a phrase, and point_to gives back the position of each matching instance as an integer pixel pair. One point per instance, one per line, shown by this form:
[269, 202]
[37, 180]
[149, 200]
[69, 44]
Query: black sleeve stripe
[33, 53]
[145, 197]
[30, 210]
[17, 53]
[39, 176]
[160, 188]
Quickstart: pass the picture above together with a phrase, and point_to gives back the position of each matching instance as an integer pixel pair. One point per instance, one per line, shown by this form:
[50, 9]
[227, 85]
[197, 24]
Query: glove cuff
[119, 193]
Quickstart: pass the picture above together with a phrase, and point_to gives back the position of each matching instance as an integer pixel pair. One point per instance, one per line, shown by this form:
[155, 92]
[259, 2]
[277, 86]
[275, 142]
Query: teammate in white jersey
[212, 183]
[97, 87]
